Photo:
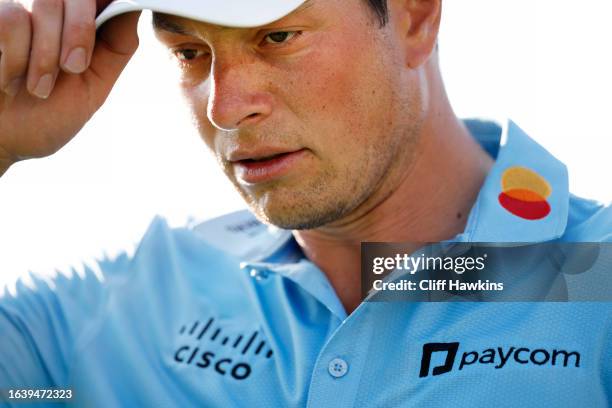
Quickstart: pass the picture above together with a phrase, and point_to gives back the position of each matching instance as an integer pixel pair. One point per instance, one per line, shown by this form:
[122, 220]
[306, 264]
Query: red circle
[530, 210]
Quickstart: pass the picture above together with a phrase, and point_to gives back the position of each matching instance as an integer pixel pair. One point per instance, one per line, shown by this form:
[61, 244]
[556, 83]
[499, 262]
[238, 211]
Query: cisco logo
[227, 362]
[496, 358]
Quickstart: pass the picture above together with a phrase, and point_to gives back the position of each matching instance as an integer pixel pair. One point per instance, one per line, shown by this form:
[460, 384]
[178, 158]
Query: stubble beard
[326, 199]
[298, 208]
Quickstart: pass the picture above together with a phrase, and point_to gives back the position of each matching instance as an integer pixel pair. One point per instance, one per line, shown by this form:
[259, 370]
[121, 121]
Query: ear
[416, 24]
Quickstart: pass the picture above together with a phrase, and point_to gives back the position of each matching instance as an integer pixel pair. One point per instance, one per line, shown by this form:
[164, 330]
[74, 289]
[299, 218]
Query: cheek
[343, 98]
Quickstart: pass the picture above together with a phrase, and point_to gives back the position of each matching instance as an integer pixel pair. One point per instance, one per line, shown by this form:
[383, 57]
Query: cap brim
[229, 13]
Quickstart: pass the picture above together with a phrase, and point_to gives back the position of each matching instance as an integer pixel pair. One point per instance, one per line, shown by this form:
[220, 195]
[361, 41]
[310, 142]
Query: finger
[47, 16]
[120, 34]
[15, 36]
[79, 35]
[117, 41]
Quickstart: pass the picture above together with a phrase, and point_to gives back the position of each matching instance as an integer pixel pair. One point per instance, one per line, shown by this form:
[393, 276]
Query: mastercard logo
[524, 193]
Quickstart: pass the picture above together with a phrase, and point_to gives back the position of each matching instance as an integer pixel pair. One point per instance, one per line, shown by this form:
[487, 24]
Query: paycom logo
[442, 358]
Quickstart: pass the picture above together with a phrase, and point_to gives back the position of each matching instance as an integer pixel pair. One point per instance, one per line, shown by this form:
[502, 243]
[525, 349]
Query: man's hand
[54, 72]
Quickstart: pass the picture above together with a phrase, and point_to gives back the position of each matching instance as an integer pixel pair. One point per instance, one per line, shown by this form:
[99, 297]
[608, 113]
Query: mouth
[262, 167]
[263, 159]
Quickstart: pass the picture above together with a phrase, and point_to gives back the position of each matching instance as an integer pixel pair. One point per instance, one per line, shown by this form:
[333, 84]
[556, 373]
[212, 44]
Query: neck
[429, 203]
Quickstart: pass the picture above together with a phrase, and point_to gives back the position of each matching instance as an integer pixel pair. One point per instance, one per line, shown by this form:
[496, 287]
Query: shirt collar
[525, 196]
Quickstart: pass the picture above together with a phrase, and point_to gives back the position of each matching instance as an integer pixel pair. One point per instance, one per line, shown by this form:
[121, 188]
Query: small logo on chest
[205, 346]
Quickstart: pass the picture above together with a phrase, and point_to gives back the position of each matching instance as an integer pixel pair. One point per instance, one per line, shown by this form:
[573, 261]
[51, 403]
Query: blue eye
[280, 37]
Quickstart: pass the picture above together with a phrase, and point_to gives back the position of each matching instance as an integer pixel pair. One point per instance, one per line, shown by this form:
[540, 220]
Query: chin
[299, 207]
[298, 215]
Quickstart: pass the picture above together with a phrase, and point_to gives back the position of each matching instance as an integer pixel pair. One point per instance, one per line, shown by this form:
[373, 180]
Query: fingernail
[13, 87]
[76, 61]
[43, 87]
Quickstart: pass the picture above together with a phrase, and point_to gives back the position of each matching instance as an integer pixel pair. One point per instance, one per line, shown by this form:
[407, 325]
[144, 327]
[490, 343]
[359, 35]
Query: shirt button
[337, 368]
[259, 274]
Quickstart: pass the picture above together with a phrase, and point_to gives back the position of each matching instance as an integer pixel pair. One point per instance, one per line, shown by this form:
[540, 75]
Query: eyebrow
[162, 22]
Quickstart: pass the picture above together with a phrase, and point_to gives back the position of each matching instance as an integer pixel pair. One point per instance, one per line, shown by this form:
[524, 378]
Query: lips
[259, 154]
[262, 159]
[262, 166]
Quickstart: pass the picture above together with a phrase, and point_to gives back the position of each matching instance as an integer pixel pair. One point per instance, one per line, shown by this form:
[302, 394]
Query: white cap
[229, 13]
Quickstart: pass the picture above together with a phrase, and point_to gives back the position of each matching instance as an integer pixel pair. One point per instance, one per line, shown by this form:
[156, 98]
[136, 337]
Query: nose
[237, 95]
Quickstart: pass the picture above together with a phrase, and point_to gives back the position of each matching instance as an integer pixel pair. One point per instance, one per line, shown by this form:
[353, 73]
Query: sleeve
[41, 321]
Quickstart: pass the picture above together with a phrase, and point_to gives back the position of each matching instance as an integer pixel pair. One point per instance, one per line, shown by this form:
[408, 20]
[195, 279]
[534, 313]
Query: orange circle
[524, 195]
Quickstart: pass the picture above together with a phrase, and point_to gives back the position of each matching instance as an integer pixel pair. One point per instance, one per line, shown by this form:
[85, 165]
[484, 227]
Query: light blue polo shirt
[230, 313]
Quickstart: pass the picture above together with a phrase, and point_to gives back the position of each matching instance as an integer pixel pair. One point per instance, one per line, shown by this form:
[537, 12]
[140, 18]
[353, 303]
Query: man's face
[310, 117]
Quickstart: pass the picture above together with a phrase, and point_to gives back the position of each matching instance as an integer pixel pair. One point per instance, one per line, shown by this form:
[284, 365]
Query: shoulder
[66, 287]
[231, 238]
[588, 220]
